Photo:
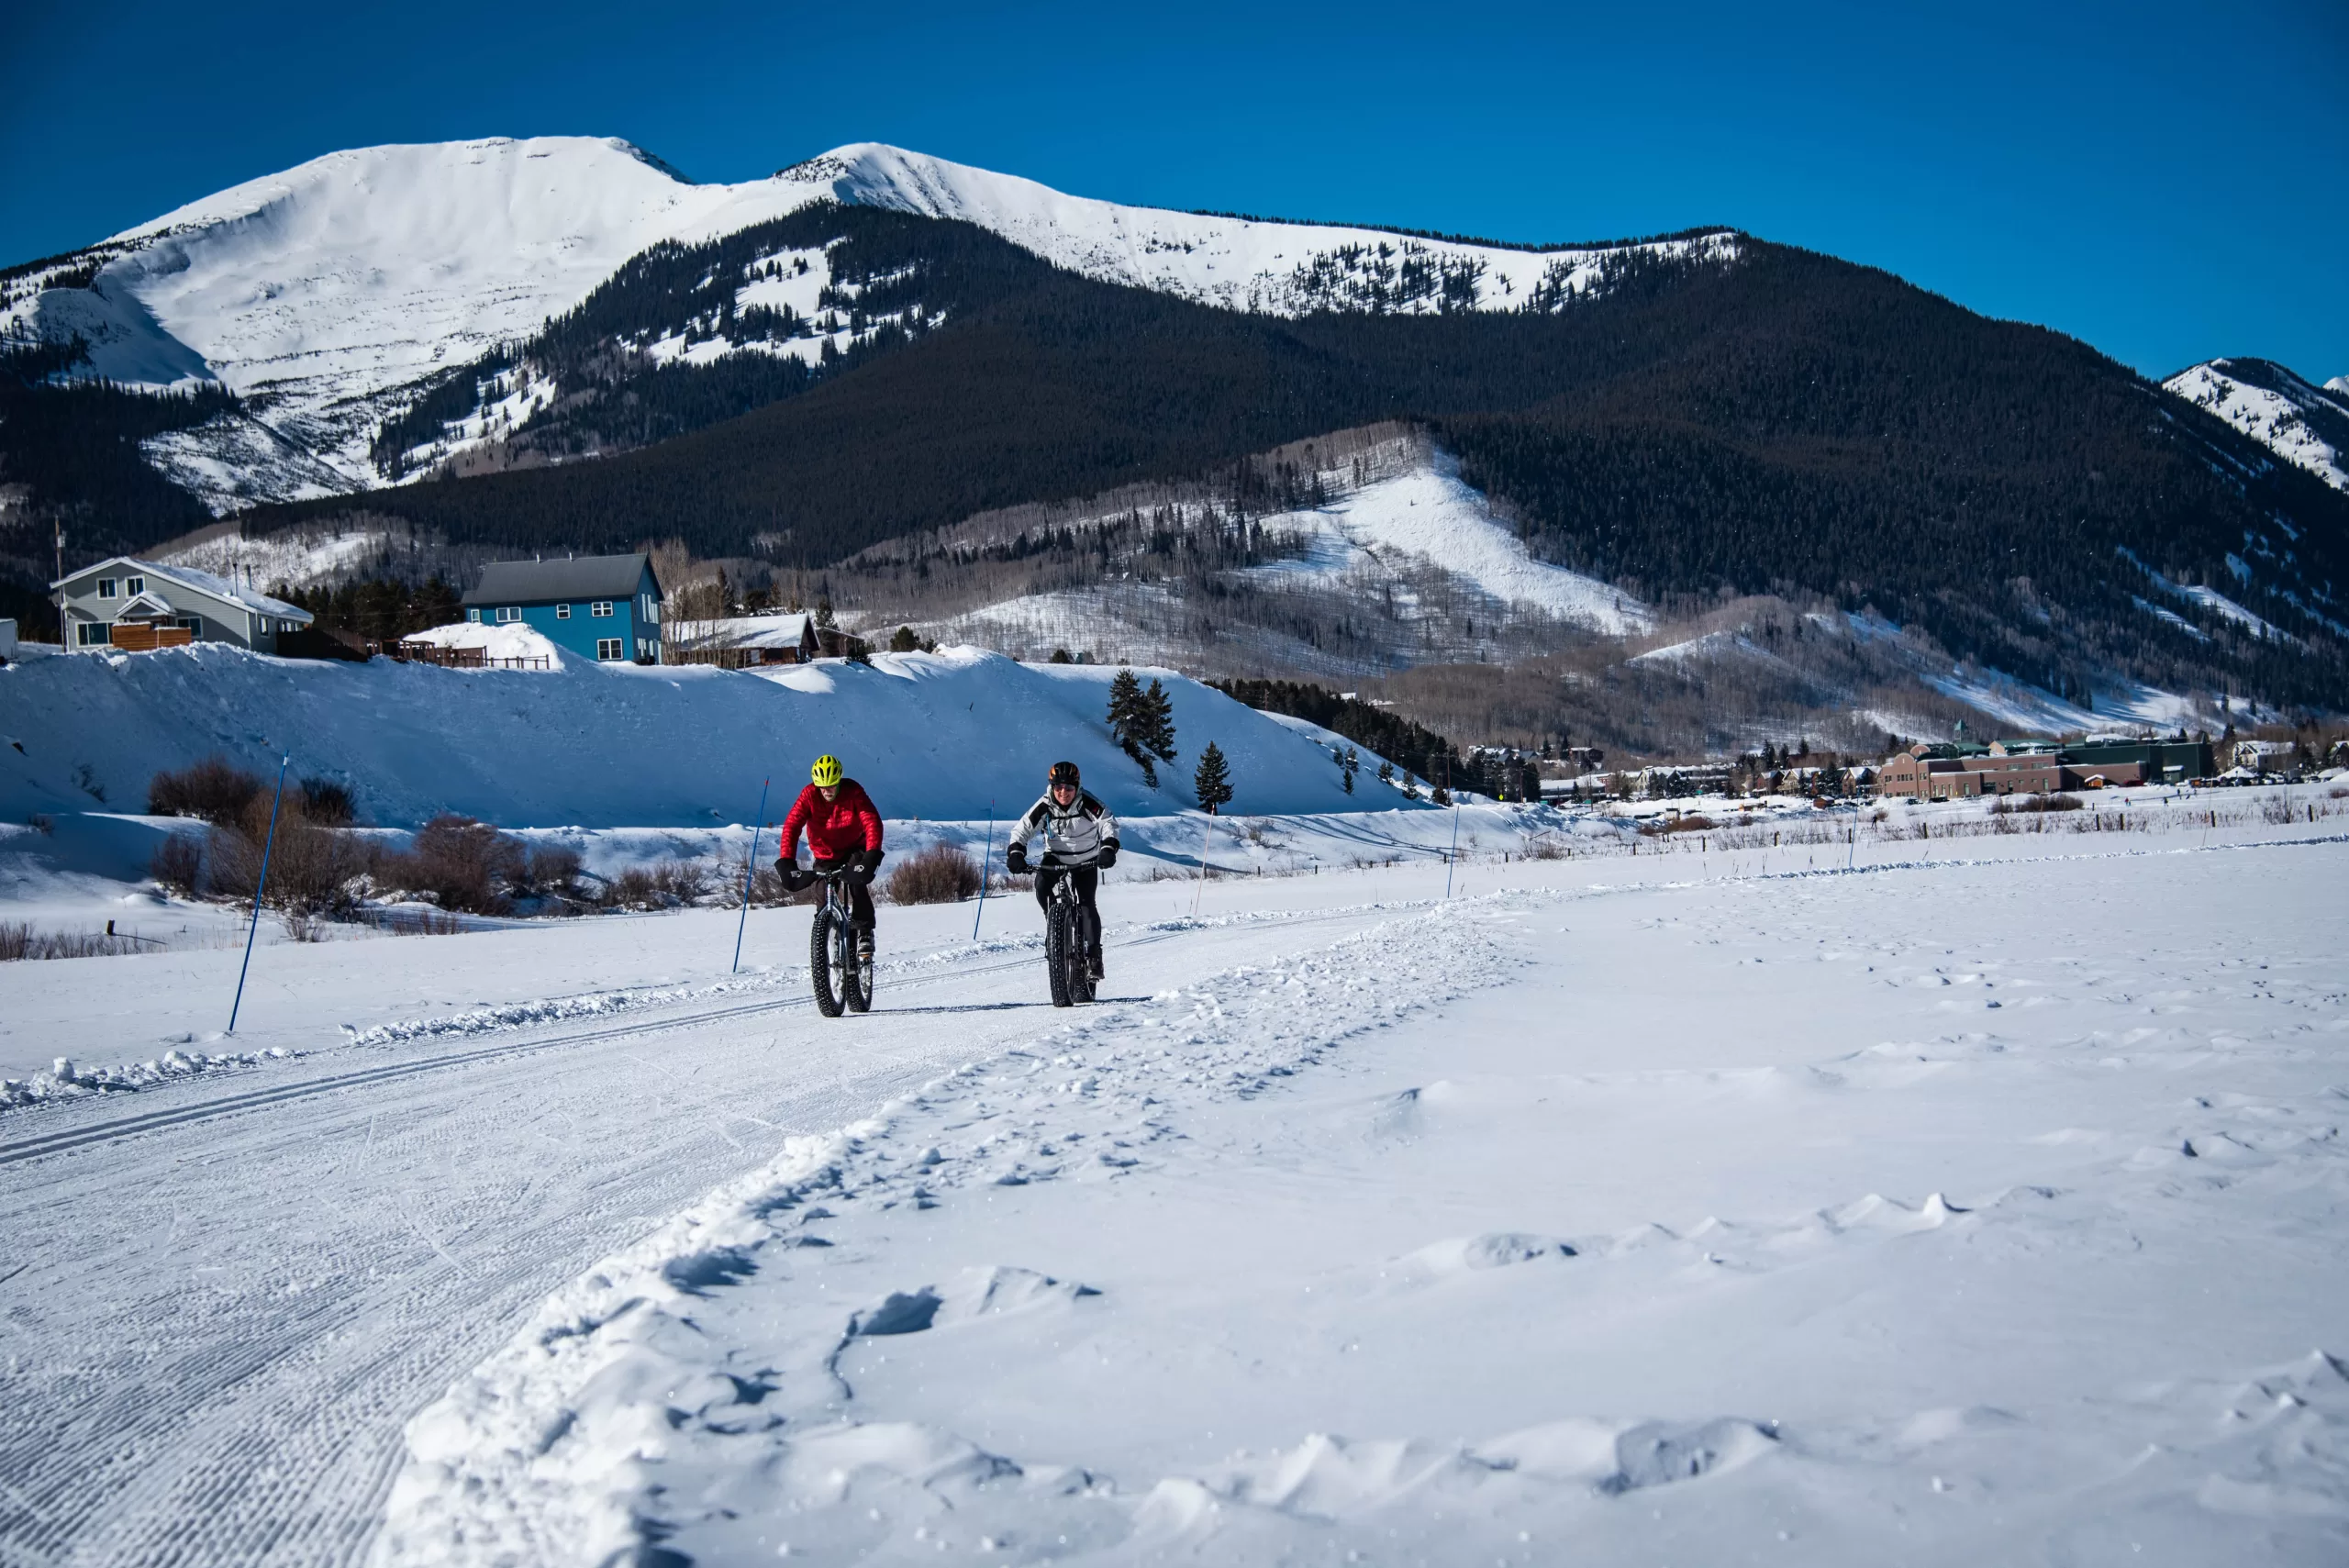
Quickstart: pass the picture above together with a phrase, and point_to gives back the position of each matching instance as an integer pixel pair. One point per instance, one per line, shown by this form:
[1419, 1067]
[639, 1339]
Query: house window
[135, 587]
[562, 612]
[607, 648]
[473, 615]
[93, 634]
[105, 587]
[600, 607]
[508, 612]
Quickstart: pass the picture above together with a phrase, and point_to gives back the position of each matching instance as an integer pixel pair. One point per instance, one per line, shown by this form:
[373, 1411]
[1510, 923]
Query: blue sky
[2165, 181]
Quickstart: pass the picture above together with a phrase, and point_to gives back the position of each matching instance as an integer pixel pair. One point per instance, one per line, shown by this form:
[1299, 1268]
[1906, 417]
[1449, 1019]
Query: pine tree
[1158, 721]
[1129, 721]
[1212, 783]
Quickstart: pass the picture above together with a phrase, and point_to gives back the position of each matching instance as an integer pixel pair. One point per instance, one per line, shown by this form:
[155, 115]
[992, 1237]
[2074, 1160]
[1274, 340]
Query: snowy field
[1980, 1203]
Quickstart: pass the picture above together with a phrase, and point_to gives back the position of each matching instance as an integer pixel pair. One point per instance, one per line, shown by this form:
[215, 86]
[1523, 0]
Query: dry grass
[19, 941]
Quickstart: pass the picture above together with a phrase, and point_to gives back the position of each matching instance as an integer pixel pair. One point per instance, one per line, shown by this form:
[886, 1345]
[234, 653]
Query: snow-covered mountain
[327, 296]
[2304, 424]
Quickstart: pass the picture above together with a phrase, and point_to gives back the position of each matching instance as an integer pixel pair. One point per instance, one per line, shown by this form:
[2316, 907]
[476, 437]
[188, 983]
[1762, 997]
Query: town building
[598, 606]
[740, 641]
[136, 605]
[1956, 772]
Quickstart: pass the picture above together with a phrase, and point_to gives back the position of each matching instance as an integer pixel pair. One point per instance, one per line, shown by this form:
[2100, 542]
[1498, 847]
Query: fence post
[1454, 858]
[750, 870]
[987, 853]
[259, 888]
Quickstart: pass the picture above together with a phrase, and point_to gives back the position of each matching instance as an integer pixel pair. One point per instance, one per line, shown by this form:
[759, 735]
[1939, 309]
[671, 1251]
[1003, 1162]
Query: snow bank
[512, 641]
[957, 735]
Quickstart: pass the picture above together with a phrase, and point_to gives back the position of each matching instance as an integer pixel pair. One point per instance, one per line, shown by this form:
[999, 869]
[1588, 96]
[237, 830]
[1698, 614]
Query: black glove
[1015, 859]
[1108, 855]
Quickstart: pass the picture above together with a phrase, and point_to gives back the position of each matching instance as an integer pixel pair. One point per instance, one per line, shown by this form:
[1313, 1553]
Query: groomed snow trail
[519, 1463]
[216, 1316]
[1944, 1214]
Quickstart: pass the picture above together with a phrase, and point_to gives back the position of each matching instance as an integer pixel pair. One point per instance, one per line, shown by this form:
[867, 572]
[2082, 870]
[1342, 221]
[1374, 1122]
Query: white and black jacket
[1074, 835]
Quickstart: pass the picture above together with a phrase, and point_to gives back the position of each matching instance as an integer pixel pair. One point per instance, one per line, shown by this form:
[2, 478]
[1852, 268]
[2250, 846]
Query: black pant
[1088, 879]
[860, 897]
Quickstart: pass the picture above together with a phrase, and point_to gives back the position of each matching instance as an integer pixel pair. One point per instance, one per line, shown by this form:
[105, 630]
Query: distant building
[598, 606]
[1959, 772]
[138, 606]
[783, 638]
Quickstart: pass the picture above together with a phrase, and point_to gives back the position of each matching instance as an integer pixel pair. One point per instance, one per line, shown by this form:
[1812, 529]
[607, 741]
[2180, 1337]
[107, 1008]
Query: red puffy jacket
[836, 827]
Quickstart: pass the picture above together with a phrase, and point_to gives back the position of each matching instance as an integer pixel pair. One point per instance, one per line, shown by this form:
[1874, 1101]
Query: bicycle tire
[1080, 979]
[1058, 939]
[819, 960]
[856, 975]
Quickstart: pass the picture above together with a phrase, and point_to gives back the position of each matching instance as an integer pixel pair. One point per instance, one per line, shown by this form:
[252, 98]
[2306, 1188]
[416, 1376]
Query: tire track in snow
[215, 1332]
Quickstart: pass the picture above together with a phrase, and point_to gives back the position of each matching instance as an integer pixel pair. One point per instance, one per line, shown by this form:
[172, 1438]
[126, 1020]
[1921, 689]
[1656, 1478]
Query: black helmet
[1062, 773]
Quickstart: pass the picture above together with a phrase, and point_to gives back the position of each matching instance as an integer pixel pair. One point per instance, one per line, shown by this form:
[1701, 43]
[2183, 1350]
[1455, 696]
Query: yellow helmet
[827, 771]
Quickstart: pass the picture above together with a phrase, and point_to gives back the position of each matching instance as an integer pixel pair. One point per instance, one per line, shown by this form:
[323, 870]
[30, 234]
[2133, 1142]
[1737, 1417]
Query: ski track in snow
[325, 1271]
[528, 1461]
[701, 1389]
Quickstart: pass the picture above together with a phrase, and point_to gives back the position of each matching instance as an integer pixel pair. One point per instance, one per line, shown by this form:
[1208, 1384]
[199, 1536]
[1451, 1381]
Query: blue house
[598, 606]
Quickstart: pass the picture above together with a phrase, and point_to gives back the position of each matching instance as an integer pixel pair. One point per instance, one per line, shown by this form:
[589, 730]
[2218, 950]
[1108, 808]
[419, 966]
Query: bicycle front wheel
[1060, 945]
[824, 970]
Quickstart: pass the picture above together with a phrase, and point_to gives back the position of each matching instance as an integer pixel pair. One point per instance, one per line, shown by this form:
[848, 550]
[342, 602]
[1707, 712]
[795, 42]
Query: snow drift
[947, 735]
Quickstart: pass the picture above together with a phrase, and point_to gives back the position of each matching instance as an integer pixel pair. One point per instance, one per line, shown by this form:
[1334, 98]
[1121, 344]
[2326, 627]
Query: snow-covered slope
[330, 289]
[2303, 424]
[1285, 269]
[1426, 512]
[611, 744]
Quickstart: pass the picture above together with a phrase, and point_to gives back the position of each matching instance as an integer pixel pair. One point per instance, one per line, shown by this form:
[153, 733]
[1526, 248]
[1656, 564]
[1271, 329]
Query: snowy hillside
[1426, 514]
[2303, 424]
[333, 287]
[1283, 269]
[605, 744]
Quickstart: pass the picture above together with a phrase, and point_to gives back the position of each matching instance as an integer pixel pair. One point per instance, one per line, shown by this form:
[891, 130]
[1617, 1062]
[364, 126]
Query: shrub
[941, 874]
[210, 789]
[663, 885]
[326, 803]
[311, 868]
[2034, 803]
[458, 862]
[178, 862]
[546, 870]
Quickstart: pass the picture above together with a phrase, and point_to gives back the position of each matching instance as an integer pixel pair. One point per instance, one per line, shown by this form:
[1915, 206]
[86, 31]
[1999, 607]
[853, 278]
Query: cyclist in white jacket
[1080, 834]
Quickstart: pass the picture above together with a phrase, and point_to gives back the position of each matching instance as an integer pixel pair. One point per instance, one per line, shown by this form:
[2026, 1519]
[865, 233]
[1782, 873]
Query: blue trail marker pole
[1453, 859]
[749, 869]
[985, 855]
[267, 844]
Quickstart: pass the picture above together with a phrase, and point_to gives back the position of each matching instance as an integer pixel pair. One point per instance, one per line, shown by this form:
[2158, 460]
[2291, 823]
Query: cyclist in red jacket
[841, 826]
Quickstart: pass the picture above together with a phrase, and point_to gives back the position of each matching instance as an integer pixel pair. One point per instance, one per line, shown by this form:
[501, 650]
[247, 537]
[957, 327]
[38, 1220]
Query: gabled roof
[793, 629]
[572, 578]
[203, 583]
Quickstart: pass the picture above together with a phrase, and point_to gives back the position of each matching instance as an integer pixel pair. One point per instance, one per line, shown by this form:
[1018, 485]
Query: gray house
[140, 605]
